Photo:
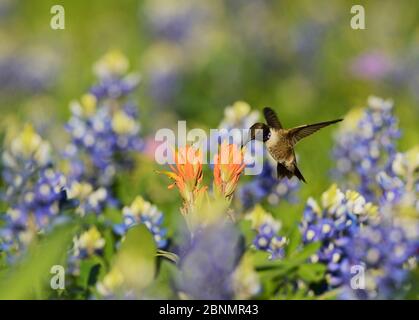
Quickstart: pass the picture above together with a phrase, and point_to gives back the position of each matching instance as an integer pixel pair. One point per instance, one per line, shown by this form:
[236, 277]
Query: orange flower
[229, 164]
[187, 174]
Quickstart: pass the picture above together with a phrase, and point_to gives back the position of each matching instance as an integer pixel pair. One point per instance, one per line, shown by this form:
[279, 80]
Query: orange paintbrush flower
[228, 165]
[187, 175]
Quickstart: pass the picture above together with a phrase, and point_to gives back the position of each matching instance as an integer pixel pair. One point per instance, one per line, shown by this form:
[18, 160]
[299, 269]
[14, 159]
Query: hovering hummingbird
[280, 142]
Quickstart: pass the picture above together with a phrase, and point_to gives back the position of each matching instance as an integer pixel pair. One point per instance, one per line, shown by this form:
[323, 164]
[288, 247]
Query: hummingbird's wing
[271, 118]
[298, 133]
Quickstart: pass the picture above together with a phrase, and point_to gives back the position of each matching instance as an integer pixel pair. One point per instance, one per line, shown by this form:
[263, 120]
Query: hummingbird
[280, 142]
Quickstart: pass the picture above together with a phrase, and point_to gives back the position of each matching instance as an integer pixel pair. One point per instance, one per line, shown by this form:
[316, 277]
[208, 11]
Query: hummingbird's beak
[246, 138]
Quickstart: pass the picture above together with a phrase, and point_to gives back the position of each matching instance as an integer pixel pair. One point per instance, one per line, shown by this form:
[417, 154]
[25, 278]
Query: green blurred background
[196, 57]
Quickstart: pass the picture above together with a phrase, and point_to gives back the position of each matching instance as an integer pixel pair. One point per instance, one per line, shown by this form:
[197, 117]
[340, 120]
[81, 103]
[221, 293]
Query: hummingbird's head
[259, 131]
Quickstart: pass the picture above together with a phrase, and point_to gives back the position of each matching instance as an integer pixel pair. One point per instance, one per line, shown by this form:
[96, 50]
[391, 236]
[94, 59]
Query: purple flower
[371, 66]
[365, 145]
[31, 72]
[208, 261]
[141, 211]
[267, 229]
[334, 226]
[384, 252]
[104, 125]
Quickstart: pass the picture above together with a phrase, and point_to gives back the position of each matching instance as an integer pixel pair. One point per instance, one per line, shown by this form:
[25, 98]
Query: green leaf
[292, 262]
[82, 278]
[93, 275]
[113, 214]
[30, 278]
[246, 229]
[307, 251]
[275, 270]
[136, 259]
[108, 250]
[413, 289]
[294, 241]
[311, 272]
[330, 295]
[162, 287]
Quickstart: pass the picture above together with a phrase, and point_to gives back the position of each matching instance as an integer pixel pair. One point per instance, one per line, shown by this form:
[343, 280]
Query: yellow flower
[352, 119]
[138, 205]
[163, 56]
[237, 111]
[88, 104]
[86, 107]
[370, 209]
[406, 164]
[258, 216]
[412, 157]
[357, 204]
[80, 190]
[90, 241]
[246, 282]
[377, 103]
[123, 124]
[84, 193]
[28, 145]
[332, 198]
[111, 282]
[113, 63]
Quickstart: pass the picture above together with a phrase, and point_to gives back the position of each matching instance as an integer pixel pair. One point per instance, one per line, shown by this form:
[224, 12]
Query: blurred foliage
[295, 57]
[31, 276]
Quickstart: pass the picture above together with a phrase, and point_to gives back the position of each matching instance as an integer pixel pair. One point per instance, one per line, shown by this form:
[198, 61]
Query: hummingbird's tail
[298, 174]
[282, 172]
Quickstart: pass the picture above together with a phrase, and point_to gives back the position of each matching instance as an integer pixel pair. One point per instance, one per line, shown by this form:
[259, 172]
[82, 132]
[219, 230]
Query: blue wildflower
[399, 182]
[104, 130]
[385, 253]
[208, 261]
[399, 200]
[334, 226]
[365, 144]
[85, 245]
[113, 82]
[35, 192]
[141, 211]
[175, 21]
[28, 71]
[267, 228]
[87, 199]
[88, 243]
